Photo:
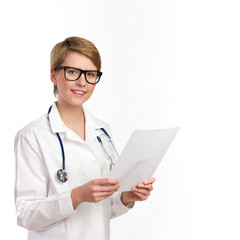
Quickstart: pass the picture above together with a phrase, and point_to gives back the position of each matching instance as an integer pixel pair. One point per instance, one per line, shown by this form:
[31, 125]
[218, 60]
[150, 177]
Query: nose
[81, 81]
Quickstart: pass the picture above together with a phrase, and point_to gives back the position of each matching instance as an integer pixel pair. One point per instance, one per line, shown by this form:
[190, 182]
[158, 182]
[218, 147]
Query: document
[141, 156]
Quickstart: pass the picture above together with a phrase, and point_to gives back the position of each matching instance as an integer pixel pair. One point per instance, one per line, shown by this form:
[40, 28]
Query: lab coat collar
[56, 121]
[92, 124]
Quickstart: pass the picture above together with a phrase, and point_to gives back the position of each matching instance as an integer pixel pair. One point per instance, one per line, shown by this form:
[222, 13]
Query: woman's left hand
[139, 193]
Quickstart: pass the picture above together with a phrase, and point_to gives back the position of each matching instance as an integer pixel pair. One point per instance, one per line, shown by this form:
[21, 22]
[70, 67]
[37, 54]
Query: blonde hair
[74, 44]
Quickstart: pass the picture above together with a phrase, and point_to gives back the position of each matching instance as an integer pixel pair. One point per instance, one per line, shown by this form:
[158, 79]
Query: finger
[149, 180]
[141, 190]
[102, 197]
[98, 199]
[141, 196]
[103, 181]
[109, 188]
[103, 194]
[146, 186]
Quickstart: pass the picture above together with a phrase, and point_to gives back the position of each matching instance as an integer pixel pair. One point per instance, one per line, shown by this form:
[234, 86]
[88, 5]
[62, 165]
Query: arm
[35, 209]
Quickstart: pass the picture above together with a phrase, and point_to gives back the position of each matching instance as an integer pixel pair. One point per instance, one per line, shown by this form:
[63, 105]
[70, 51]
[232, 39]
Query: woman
[81, 207]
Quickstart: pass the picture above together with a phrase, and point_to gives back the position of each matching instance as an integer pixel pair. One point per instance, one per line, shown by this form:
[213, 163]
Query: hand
[94, 191]
[139, 193]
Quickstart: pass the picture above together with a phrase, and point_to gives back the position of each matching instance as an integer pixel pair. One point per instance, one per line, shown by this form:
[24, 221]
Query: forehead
[78, 60]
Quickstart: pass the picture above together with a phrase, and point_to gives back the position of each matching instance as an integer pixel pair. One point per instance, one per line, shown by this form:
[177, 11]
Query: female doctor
[62, 190]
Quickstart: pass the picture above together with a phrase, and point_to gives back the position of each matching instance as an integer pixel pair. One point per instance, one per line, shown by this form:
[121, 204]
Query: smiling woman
[53, 206]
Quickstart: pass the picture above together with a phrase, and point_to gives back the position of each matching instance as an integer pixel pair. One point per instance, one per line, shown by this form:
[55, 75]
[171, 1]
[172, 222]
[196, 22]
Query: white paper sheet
[141, 156]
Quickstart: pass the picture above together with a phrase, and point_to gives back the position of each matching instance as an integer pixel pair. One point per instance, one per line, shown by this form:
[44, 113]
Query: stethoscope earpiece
[62, 175]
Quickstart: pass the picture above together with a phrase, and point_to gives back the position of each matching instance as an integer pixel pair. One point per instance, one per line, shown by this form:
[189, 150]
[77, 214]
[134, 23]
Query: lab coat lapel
[73, 136]
[91, 134]
[92, 124]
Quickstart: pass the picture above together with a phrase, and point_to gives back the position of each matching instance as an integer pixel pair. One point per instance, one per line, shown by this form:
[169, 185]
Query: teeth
[79, 92]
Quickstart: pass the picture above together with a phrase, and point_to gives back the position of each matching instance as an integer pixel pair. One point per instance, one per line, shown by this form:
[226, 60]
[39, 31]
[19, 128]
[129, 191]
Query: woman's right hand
[94, 191]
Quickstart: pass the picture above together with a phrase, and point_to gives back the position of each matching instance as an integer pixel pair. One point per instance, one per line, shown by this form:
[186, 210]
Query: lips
[78, 92]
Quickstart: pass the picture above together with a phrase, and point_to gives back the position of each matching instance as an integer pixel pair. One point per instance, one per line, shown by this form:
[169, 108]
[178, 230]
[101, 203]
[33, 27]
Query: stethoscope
[62, 174]
[109, 156]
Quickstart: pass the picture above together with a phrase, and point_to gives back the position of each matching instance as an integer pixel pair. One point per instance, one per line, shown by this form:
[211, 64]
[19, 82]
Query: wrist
[76, 197]
[125, 199]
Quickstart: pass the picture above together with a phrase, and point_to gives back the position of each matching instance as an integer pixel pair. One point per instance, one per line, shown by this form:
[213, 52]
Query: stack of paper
[141, 156]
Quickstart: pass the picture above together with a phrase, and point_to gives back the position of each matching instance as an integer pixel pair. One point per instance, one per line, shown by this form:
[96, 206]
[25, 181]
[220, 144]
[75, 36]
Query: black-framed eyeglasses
[73, 74]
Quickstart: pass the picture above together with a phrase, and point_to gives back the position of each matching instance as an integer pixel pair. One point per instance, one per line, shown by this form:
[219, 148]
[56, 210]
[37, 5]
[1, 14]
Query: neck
[72, 116]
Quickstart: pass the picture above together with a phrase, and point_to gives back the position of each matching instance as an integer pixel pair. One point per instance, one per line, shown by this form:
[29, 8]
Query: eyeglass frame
[99, 74]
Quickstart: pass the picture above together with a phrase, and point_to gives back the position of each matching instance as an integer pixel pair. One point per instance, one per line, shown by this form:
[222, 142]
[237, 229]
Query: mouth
[78, 92]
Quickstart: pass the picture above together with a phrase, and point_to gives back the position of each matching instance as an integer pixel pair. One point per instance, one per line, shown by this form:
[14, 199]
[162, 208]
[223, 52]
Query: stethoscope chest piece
[62, 175]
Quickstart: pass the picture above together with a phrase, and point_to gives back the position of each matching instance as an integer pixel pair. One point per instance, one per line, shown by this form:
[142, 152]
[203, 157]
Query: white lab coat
[43, 203]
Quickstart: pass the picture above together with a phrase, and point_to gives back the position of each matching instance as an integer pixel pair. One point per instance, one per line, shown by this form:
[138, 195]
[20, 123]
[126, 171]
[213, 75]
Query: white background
[166, 63]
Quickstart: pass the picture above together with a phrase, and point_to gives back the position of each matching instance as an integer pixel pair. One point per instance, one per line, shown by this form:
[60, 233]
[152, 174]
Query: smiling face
[73, 93]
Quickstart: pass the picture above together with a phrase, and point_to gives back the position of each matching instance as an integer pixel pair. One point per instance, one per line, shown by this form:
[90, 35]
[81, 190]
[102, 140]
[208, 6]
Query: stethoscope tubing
[61, 144]
[62, 149]
[110, 140]
[62, 174]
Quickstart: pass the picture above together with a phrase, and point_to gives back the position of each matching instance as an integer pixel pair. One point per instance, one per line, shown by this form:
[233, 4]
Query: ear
[53, 77]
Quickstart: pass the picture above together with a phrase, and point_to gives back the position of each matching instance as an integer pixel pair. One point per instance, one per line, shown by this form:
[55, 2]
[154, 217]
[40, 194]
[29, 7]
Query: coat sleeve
[118, 208]
[35, 209]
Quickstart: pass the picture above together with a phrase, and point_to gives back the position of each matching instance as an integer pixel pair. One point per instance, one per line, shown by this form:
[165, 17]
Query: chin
[78, 102]
[73, 101]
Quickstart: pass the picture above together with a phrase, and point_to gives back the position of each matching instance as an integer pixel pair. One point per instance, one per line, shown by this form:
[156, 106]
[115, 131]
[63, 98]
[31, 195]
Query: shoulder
[35, 127]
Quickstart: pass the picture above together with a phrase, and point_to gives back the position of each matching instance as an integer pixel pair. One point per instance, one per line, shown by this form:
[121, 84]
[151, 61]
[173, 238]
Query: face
[73, 93]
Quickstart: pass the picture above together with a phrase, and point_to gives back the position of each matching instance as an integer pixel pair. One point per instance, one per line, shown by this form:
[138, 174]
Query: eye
[72, 72]
[91, 74]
